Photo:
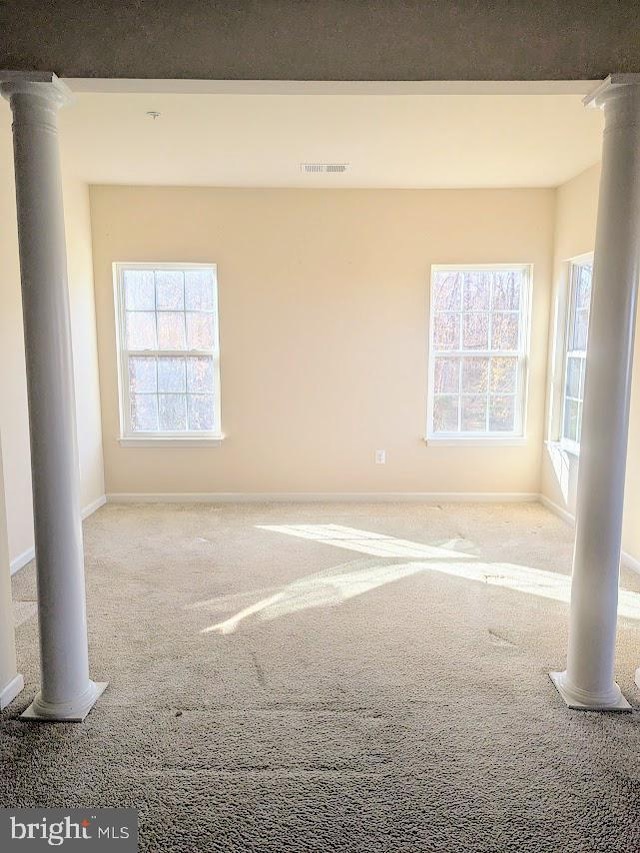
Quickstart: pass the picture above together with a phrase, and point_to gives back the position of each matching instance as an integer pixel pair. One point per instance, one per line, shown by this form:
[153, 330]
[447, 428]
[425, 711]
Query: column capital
[613, 86]
[42, 84]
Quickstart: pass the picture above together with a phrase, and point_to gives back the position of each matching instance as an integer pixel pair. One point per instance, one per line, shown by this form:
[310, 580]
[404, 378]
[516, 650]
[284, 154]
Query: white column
[67, 693]
[11, 682]
[588, 682]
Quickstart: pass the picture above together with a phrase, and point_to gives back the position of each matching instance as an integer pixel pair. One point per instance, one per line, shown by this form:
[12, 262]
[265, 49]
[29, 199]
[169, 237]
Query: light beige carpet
[282, 680]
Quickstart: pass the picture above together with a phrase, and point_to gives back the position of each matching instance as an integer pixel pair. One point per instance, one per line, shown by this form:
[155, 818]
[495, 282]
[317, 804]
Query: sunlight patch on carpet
[338, 584]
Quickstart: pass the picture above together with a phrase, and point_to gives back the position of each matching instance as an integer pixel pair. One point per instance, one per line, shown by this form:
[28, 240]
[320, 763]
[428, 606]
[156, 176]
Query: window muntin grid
[576, 352]
[169, 352]
[478, 351]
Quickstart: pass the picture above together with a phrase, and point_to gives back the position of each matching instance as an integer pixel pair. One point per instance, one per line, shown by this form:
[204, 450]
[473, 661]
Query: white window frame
[568, 444]
[192, 438]
[497, 438]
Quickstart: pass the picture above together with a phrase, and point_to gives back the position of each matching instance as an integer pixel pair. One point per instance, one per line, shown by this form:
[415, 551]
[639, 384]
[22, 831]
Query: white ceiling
[390, 140]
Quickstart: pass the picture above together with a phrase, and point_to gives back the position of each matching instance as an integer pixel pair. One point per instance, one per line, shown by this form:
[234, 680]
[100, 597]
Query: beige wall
[85, 352]
[323, 304]
[575, 235]
[14, 424]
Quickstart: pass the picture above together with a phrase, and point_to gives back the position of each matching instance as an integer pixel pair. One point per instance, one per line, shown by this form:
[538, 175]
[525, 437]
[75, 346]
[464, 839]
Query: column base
[582, 702]
[65, 712]
[11, 690]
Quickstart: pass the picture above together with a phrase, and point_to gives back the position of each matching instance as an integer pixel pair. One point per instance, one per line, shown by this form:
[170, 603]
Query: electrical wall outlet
[381, 457]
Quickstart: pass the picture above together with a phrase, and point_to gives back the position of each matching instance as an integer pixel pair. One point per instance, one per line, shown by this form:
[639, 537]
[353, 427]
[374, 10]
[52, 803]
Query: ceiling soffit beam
[323, 39]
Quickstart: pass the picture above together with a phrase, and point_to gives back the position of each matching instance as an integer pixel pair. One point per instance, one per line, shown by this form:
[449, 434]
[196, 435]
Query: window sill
[569, 449]
[477, 441]
[171, 441]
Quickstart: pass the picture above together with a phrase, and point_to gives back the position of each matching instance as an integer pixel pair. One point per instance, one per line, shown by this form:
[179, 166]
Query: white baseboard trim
[630, 562]
[321, 497]
[626, 559]
[9, 692]
[93, 506]
[562, 513]
[21, 560]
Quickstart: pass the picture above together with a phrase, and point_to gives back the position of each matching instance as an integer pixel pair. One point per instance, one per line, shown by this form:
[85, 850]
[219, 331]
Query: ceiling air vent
[318, 168]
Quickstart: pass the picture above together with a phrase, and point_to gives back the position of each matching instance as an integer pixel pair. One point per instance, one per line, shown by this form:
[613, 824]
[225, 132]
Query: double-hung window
[576, 352]
[168, 351]
[478, 352]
